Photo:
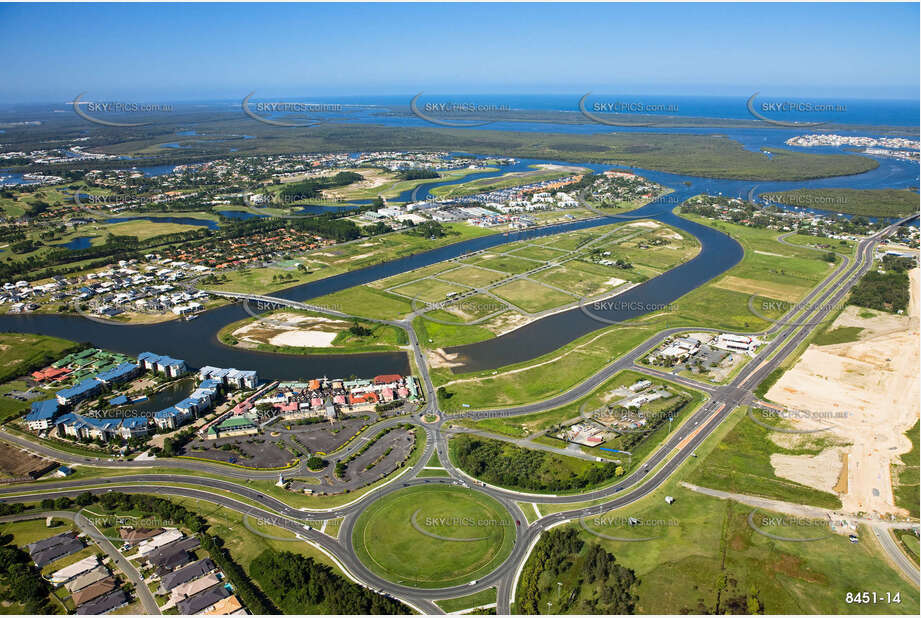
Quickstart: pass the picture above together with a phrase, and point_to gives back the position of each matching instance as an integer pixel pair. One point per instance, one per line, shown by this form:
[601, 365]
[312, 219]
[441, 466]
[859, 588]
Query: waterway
[196, 342]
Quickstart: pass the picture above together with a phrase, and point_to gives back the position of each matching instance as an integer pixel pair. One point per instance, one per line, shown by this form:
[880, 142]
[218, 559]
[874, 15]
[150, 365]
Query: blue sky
[209, 51]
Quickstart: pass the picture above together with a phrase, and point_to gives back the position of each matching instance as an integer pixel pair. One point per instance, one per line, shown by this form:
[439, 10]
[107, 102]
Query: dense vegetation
[307, 189]
[418, 174]
[593, 581]
[506, 465]
[299, 584]
[866, 202]
[166, 510]
[20, 581]
[885, 291]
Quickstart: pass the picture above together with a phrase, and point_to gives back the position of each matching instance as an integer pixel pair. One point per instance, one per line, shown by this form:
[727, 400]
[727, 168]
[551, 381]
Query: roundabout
[434, 536]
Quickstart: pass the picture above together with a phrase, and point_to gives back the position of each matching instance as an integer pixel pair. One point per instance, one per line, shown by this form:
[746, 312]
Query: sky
[175, 52]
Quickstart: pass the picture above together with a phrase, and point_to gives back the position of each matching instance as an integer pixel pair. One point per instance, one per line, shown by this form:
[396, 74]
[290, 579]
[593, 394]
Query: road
[89, 528]
[787, 334]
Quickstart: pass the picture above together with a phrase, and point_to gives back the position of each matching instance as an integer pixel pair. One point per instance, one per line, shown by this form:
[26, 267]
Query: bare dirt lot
[291, 329]
[18, 464]
[874, 380]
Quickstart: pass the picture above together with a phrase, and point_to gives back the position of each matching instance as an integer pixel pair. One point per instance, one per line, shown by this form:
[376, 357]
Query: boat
[189, 318]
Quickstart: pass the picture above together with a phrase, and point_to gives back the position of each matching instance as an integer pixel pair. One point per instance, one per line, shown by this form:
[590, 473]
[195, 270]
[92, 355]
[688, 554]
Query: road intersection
[786, 336]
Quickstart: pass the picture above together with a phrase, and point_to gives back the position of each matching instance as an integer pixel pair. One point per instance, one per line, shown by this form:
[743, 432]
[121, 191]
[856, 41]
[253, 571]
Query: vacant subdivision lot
[873, 380]
[531, 296]
[472, 276]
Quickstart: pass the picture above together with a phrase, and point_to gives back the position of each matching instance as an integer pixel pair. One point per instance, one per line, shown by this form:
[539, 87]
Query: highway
[787, 335]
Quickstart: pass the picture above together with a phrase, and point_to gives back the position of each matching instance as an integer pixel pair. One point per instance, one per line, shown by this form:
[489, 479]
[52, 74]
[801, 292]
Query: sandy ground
[875, 382]
[649, 224]
[771, 254]
[304, 339]
[291, 329]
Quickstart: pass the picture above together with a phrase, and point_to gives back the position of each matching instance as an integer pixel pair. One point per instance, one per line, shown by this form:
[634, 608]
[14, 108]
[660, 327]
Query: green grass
[532, 297]
[428, 290]
[483, 597]
[433, 461]
[505, 263]
[713, 540]
[450, 334]
[472, 276]
[366, 302]
[844, 334]
[905, 476]
[741, 463]
[23, 352]
[577, 278]
[414, 559]
[909, 543]
[244, 544]
[432, 473]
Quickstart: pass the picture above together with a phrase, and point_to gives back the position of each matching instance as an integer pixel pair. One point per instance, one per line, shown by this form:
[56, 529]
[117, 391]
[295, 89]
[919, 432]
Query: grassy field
[712, 542]
[866, 202]
[472, 276]
[477, 599]
[905, 476]
[477, 535]
[511, 179]
[381, 338]
[505, 263]
[20, 354]
[366, 302]
[844, 334]
[345, 257]
[240, 540]
[741, 463]
[531, 296]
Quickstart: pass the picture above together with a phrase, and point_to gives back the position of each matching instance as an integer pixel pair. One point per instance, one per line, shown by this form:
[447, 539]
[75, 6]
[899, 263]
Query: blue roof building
[86, 388]
[123, 372]
[42, 414]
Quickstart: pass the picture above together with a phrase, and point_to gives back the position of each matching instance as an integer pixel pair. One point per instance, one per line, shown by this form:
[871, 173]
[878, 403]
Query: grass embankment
[477, 599]
[741, 463]
[865, 202]
[905, 476]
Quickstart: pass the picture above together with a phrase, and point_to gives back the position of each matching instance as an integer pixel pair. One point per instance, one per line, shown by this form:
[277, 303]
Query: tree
[85, 499]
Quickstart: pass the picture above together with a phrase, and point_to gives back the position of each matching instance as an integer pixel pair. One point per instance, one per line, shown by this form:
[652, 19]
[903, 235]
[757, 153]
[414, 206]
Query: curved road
[723, 399]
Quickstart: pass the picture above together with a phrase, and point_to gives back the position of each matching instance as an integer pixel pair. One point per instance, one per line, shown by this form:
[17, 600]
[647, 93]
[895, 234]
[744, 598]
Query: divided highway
[787, 335]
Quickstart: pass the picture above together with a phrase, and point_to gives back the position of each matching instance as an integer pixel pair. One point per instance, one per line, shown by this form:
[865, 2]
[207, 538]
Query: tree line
[560, 554]
[299, 584]
[510, 466]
